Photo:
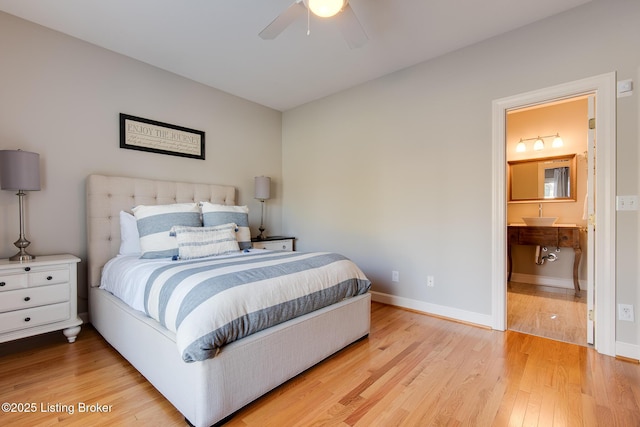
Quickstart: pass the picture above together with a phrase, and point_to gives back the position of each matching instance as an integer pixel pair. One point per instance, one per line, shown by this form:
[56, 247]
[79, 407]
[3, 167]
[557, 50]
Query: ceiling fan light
[326, 8]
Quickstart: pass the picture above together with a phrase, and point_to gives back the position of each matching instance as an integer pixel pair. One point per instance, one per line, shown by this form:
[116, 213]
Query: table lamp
[20, 170]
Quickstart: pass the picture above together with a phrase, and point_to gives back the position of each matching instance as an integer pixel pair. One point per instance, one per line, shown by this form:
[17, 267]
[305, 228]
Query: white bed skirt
[207, 392]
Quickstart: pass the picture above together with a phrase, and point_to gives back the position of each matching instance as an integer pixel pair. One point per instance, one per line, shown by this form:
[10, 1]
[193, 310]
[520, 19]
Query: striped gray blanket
[213, 301]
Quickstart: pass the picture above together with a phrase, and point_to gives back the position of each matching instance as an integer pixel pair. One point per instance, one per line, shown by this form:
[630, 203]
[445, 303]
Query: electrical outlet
[430, 281]
[395, 276]
[625, 312]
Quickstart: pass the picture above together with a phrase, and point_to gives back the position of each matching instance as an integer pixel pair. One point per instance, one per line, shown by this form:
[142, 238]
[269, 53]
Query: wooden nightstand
[39, 296]
[275, 243]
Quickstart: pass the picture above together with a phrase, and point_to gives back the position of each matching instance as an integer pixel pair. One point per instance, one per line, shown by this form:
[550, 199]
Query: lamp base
[22, 256]
[22, 244]
[261, 236]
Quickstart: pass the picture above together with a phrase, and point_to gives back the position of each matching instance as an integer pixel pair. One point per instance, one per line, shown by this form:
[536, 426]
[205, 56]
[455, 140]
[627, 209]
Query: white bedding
[125, 276]
[212, 301]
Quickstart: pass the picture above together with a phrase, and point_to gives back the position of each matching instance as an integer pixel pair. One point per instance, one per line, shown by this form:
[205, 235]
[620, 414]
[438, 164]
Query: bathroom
[542, 298]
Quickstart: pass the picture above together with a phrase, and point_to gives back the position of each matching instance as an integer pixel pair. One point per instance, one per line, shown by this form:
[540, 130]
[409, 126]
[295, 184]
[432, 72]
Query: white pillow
[154, 223]
[129, 237]
[213, 214]
[199, 242]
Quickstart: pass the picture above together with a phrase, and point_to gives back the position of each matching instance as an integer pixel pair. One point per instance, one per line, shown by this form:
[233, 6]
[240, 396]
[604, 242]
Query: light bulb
[521, 147]
[325, 8]
[538, 145]
[557, 142]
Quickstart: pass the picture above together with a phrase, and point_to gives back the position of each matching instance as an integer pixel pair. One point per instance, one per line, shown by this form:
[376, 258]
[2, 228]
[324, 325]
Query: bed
[205, 391]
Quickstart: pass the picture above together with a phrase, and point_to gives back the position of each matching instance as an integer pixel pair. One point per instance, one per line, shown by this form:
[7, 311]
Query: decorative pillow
[199, 242]
[213, 215]
[154, 223]
[129, 237]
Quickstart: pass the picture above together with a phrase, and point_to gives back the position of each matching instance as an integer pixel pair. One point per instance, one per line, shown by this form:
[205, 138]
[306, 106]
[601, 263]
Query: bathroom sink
[540, 221]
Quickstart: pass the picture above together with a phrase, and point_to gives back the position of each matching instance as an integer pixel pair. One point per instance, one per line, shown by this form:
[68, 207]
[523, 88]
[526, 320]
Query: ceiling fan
[340, 10]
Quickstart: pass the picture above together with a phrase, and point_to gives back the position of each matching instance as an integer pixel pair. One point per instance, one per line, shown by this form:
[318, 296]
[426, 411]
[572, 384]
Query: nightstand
[275, 243]
[39, 296]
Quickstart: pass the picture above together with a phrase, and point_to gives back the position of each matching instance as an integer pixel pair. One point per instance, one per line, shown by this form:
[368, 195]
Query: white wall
[396, 173]
[60, 97]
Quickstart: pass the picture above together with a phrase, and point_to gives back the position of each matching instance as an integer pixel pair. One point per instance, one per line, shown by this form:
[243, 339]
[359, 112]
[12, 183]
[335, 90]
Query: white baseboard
[630, 351]
[555, 282]
[436, 310]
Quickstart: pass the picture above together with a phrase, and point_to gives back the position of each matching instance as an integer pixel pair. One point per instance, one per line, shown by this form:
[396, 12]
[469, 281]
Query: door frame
[604, 86]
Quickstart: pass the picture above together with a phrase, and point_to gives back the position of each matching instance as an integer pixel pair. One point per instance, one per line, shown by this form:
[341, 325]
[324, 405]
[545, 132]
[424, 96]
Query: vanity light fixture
[538, 145]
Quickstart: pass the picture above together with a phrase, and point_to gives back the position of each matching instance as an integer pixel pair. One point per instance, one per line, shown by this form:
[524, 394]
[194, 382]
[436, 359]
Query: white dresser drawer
[27, 276]
[26, 298]
[12, 281]
[43, 277]
[275, 245]
[31, 317]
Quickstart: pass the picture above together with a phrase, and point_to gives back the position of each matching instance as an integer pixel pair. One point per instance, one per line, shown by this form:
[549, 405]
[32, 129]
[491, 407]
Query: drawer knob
[2, 283]
[27, 269]
[27, 298]
[26, 319]
[49, 277]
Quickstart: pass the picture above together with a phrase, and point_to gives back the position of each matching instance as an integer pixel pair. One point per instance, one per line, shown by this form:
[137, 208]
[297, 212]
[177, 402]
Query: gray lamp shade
[19, 170]
[262, 187]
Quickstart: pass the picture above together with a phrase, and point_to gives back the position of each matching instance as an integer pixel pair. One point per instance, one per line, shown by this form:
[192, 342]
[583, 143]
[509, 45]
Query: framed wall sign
[141, 134]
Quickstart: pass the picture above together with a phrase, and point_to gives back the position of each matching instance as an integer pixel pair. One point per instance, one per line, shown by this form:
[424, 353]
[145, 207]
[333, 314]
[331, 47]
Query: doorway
[604, 249]
[548, 176]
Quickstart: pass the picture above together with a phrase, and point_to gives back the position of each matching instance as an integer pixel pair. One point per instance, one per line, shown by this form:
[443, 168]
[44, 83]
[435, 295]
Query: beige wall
[61, 98]
[396, 173]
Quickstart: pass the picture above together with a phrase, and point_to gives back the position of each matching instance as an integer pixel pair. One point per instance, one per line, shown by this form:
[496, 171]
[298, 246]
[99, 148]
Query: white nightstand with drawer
[275, 243]
[39, 296]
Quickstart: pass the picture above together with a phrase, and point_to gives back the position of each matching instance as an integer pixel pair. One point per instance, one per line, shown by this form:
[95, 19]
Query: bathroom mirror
[543, 179]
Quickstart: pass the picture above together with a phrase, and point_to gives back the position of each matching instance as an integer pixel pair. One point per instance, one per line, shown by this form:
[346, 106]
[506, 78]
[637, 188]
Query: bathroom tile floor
[548, 312]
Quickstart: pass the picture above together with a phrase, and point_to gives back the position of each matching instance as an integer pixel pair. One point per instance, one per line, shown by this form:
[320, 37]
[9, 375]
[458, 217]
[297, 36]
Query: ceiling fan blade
[283, 20]
[350, 27]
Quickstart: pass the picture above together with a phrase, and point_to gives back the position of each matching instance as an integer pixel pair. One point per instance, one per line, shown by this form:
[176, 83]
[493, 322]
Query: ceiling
[215, 42]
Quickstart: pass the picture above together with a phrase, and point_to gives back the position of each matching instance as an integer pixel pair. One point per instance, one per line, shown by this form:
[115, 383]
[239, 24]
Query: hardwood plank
[412, 370]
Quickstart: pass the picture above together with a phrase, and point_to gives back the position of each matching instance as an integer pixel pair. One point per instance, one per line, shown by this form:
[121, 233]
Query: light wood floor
[547, 312]
[413, 370]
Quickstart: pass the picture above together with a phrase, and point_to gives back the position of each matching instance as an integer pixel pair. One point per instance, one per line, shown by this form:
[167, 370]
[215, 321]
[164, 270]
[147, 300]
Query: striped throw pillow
[213, 214]
[154, 223]
[199, 242]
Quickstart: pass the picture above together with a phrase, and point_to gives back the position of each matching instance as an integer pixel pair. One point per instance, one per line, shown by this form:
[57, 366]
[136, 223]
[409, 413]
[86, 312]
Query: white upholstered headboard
[108, 195]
